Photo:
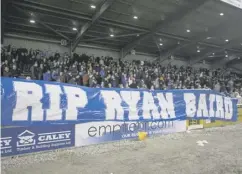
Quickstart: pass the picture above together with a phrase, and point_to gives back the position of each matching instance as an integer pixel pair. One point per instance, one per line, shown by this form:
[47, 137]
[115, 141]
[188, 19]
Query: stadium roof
[195, 30]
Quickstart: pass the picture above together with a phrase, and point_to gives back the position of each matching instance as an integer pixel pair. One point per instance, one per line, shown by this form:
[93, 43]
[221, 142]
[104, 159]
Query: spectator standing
[72, 81]
[62, 77]
[55, 76]
[47, 76]
[34, 71]
[85, 79]
[74, 70]
[15, 72]
[217, 87]
[231, 84]
[6, 72]
[40, 72]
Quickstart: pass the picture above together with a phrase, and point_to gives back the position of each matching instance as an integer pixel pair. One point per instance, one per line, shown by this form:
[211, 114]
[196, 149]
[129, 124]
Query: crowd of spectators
[106, 72]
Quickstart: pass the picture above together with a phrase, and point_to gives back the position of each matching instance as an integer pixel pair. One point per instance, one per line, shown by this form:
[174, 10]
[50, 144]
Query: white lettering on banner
[228, 106]
[190, 100]
[167, 105]
[5, 142]
[76, 98]
[224, 106]
[27, 95]
[113, 102]
[202, 106]
[52, 137]
[149, 107]
[131, 98]
[220, 107]
[29, 101]
[211, 105]
[54, 112]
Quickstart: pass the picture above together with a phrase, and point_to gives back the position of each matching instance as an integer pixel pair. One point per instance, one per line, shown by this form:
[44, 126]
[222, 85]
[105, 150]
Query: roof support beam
[53, 10]
[87, 26]
[56, 41]
[48, 23]
[42, 23]
[59, 13]
[218, 49]
[235, 61]
[236, 70]
[156, 43]
[118, 36]
[70, 14]
[158, 26]
[224, 61]
[194, 40]
[55, 31]
[204, 56]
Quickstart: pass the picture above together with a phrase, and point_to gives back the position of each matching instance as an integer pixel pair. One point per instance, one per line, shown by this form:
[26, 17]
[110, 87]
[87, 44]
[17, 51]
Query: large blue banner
[39, 102]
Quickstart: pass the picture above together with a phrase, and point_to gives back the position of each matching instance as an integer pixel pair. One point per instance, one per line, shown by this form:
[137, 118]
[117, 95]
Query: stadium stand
[121, 86]
[108, 72]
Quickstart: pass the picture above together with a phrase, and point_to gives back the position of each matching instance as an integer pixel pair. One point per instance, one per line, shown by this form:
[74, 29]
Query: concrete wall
[237, 68]
[54, 46]
[180, 62]
[24, 43]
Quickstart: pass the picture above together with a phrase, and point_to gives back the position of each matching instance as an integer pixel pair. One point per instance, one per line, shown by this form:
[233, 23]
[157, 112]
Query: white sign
[236, 3]
[63, 42]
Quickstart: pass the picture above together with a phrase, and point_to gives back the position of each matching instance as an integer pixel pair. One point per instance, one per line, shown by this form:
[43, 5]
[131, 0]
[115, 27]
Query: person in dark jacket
[55, 76]
[40, 72]
[34, 71]
[6, 72]
[15, 72]
[72, 81]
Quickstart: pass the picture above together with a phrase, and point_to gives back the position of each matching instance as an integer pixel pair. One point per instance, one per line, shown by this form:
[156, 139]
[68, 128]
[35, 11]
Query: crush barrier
[51, 115]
